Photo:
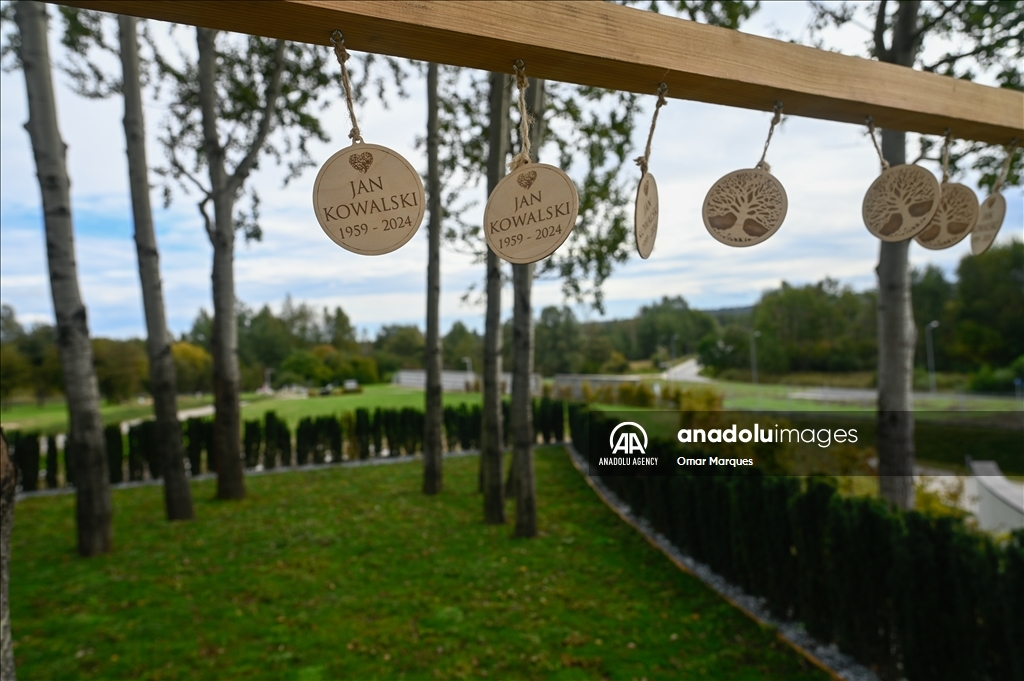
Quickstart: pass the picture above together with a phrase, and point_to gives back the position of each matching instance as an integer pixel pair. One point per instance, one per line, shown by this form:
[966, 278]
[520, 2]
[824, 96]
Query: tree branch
[273, 93]
[881, 51]
[210, 231]
[950, 59]
[180, 169]
[927, 25]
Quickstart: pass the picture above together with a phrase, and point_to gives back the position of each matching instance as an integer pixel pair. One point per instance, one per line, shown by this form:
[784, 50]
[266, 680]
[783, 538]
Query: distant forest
[822, 327]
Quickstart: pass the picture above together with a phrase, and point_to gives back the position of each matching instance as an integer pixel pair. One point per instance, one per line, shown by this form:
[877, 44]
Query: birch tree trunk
[491, 440]
[896, 332]
[8, 481]
[224, 191]
[162, 379]
[432, 448]
[521, 412]
[85, 437]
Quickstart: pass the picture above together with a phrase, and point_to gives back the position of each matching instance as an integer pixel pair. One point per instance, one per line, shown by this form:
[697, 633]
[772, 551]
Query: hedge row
[913, 596]
[268, 442]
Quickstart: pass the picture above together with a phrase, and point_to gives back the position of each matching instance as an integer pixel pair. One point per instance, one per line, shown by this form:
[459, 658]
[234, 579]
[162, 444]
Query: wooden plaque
[531, 213]
[745, 207]
[645, 216]
[368, 199]
[990, 219]
[953, 221]
[900, 202]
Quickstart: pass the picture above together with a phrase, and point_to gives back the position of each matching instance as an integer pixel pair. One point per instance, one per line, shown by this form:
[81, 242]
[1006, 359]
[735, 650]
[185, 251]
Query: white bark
[896, 332]
[491, 437]
[8, 481]
[224, 190]
[162, 379]
[521, 412]
[85, 443]
[432, 448]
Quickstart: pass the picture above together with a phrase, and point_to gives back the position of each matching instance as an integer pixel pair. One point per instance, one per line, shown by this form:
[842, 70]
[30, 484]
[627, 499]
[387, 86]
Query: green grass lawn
[385, 396]
[776, 397]
[52, 417]
[352, 573]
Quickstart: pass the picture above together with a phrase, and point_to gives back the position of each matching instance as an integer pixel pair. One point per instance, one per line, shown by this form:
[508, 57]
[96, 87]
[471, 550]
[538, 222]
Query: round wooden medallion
[990, 219]
[645, 215]
[953, 221]
[745, 207]
[531, 213]
[368, 199]
[900, 202]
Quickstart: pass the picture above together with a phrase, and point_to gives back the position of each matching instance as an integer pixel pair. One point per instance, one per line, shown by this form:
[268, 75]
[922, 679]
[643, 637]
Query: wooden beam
[606, 45]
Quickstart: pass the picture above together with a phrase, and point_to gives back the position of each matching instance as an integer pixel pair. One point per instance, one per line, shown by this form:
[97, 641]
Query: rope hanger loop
[338, 41]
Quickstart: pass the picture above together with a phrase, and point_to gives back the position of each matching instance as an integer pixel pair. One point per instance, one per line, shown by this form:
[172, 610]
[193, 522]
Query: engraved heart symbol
[361, 162]
[647, 187]
[526, 180]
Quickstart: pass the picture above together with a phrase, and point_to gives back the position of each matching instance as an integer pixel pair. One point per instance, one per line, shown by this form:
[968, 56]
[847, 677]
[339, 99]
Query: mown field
[352, 573]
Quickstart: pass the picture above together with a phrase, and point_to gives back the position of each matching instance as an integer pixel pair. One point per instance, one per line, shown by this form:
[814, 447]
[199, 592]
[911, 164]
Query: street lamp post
[675, 337]
[753, 355]
[469, 373]
[931, 353]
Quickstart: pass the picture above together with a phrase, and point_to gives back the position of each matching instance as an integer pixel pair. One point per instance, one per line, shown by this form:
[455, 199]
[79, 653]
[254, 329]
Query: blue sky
[826, 168]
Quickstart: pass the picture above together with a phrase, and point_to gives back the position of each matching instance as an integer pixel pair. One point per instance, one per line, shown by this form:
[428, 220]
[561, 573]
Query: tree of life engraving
[900, 202]
[745, 207]
[955, 218]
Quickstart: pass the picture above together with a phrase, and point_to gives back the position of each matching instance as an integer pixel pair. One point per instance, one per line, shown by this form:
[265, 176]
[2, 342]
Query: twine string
[874, 140]
[945, 156]
[338, 40]
[776, 119]
[1011, 151]
[642, 161]
[523, 157]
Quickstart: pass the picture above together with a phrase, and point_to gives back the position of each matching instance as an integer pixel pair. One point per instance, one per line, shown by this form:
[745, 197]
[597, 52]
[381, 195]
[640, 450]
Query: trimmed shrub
[251, 443]
[363, 432]
[115, 452]
[210, 446]
[333, 437]
[148, 441]
[136, 462]
[272, 439]
[305, 441]
[194, 444]
[377, 432]
[26, 457]
[450, 419]
[284, 443]
[464, 427]
[556, 419]
[69, 466]
[51, 462]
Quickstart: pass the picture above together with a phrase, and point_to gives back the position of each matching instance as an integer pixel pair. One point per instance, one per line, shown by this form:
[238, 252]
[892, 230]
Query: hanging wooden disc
[368, 199]
[953, 221]
[745, 207]
[645, 215]
[990, 219]
[900, 202]
[531, 213]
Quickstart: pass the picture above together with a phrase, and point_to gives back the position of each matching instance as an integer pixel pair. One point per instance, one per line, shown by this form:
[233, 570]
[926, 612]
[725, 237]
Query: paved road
[688, 371]
[869, 395]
